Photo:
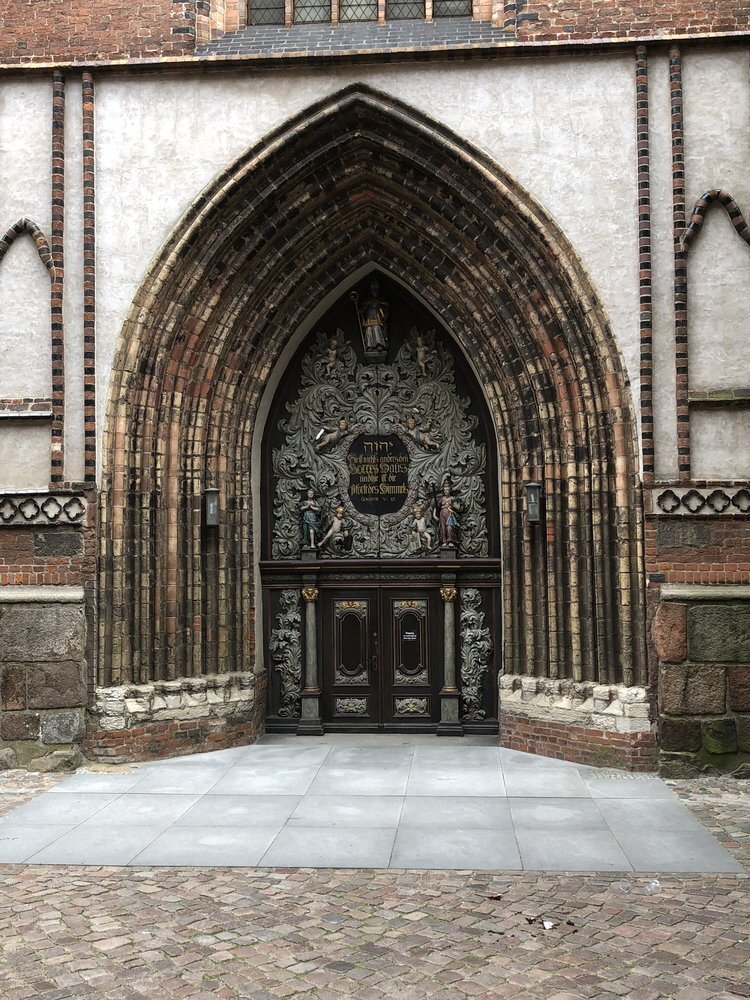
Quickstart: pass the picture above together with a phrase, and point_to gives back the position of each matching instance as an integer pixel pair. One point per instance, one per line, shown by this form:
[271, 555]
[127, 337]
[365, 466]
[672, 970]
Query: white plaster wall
[563, 128]
[720, 444]
[662, 269]
[717, 139]
[25, 149]
[24, 455]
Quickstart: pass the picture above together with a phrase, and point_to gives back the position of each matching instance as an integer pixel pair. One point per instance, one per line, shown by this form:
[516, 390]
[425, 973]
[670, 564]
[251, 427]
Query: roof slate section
[308, 40]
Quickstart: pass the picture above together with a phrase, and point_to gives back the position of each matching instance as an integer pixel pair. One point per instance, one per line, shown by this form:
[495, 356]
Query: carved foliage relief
[286, 652]
[375, 443]
[476, 653]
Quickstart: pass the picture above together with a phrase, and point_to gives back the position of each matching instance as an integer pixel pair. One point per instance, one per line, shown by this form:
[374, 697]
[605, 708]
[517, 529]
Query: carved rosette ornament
[310, 594]
[476, 653]
[404, 427]
[448, 594]
[286, 652]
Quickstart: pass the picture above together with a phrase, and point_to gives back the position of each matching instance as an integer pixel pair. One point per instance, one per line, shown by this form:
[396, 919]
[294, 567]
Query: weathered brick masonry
[581, 19]
[67, 30]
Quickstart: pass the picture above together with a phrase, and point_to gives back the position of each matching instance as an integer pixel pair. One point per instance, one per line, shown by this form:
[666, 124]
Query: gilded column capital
[310, 594]
[449, 594]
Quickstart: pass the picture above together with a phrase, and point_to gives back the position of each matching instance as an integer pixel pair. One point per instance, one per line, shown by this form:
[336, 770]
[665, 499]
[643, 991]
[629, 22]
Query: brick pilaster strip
[89, 281]
[680, 266]
[644, 262]
[57, 474]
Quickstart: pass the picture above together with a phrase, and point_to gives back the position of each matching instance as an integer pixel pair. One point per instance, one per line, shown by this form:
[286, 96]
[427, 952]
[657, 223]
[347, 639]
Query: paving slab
[348, 801]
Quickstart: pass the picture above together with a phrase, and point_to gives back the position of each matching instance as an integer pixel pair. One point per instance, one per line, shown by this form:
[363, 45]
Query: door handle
[374, 664]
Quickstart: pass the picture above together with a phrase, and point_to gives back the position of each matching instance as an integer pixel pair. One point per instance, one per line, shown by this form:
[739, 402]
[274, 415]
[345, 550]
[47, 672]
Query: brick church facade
[375, 366]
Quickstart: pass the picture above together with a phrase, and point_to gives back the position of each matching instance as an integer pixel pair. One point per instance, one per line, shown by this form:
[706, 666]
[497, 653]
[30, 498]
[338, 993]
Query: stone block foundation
[601, 725]
[172, 718]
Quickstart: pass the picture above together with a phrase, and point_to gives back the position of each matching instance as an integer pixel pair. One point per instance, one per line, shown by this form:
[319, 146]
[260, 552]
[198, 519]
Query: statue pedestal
[450, 723]
[309, 723]
[308, 553]
[376, 357]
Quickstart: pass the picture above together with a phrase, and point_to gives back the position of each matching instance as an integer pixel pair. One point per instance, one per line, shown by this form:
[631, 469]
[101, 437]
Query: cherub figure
[327, 437]
[332, 353]
[420, 350]
[336, 533]
[422, 539]
[421, 436]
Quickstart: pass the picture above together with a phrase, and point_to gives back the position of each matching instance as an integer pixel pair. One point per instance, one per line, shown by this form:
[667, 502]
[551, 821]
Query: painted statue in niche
[310, 520]
[447, 509]
[373, 319]
[336, 406]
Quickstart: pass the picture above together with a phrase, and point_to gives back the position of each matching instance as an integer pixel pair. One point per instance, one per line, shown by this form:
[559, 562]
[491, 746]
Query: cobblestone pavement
[258, 934]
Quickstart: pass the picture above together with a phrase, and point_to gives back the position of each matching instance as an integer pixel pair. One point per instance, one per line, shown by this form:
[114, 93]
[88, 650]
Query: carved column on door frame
[310, 724]
[449, 724]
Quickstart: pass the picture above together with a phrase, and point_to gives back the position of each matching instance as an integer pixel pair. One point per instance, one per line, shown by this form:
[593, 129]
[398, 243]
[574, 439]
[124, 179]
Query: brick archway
[362, 179]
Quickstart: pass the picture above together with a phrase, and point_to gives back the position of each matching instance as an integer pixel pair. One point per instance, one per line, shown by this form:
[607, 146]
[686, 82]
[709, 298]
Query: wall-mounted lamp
[533, 502]
[211, 508]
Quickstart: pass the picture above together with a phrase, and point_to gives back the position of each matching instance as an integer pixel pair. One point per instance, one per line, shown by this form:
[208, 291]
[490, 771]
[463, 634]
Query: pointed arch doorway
[381, 527]
[360, 180]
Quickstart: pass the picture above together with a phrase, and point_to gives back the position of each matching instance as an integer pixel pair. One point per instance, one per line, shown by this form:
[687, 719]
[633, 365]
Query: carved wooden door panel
[381, 659]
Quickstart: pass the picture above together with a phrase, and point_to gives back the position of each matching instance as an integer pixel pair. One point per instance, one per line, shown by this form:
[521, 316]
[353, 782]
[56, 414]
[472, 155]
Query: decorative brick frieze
[708, 501]
[53, 508]
[57, 291]
[679, 265]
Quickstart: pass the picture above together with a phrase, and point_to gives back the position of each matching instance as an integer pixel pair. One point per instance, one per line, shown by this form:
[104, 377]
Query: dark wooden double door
[381, 658]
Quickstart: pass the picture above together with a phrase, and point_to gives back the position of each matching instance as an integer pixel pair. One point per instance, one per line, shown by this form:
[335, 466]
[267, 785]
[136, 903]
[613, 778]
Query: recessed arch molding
[362, 179]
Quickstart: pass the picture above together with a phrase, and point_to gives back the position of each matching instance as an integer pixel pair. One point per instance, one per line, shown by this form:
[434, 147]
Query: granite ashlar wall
[42, 677]
[701, 636]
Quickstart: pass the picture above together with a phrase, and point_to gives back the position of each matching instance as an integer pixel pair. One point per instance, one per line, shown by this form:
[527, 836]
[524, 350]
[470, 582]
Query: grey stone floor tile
[143, 810]
[516, 758]
[450, 755]
[627, 786]
[19, 843]
[366, 780]
[240, 810]
[452, 848]
[561, 814]
[474, 812]
[676, 851]
[369, 757]
[647, 815]
[179, 780]
[208, 846]
[456, 781]
[91, 781]
[211, 758]
[279, 780]
[304, 756]
[54, 808]
[340, 847]
[373, 811]
[99, 845]
[522, 782]
[586, 851]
